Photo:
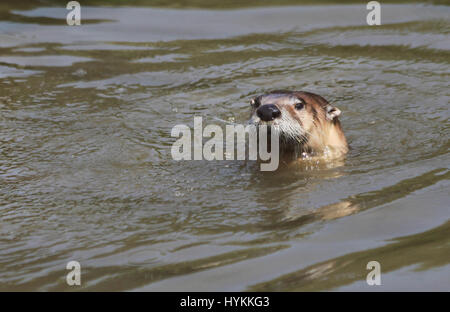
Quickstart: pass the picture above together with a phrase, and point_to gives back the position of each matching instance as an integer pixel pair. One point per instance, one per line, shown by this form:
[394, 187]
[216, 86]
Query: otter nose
[268, 112]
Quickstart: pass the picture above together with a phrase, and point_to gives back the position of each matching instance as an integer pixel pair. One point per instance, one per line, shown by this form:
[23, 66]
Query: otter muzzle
[268, 112]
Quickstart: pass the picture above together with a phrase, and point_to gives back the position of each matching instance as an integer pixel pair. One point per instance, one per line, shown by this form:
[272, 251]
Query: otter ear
[255, 102]
[332, 112]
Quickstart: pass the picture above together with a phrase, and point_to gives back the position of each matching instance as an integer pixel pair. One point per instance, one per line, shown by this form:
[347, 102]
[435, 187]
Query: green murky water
[86, 172]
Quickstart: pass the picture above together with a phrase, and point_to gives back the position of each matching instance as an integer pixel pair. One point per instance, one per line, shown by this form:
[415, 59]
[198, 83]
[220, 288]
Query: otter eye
[300, 104]
[255, 102]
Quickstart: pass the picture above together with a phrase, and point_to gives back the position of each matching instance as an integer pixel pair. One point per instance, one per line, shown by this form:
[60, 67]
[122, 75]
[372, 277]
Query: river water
[86, 173]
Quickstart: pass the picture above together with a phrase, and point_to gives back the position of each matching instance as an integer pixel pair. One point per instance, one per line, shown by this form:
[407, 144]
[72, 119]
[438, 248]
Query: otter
[307, 125]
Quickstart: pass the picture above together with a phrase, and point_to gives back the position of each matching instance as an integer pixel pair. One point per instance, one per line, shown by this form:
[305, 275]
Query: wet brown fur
[323, 135]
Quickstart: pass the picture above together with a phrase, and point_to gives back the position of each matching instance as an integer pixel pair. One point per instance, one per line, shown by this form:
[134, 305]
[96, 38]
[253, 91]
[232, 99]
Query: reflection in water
[368, 200]
[425, 250]
[337, 210]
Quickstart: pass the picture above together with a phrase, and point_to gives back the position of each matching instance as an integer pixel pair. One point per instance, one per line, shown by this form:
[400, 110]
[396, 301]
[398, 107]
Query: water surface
[86, 172]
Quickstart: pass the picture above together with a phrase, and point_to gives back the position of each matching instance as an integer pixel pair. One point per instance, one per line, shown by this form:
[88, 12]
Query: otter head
[305, 122]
